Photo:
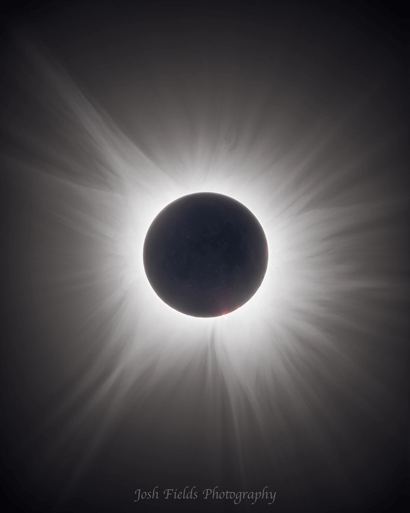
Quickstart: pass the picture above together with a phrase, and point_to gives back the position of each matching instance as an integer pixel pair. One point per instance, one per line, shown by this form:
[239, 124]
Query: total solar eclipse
[205, 254]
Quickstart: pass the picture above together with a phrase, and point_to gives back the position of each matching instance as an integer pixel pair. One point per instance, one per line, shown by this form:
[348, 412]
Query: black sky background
[327, 58]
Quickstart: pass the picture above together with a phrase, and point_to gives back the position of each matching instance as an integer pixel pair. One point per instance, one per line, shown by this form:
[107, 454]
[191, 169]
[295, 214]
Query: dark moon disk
[205, 254]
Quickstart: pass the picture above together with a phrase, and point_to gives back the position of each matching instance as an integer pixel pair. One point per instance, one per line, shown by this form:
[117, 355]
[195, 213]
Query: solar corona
[205, 226]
